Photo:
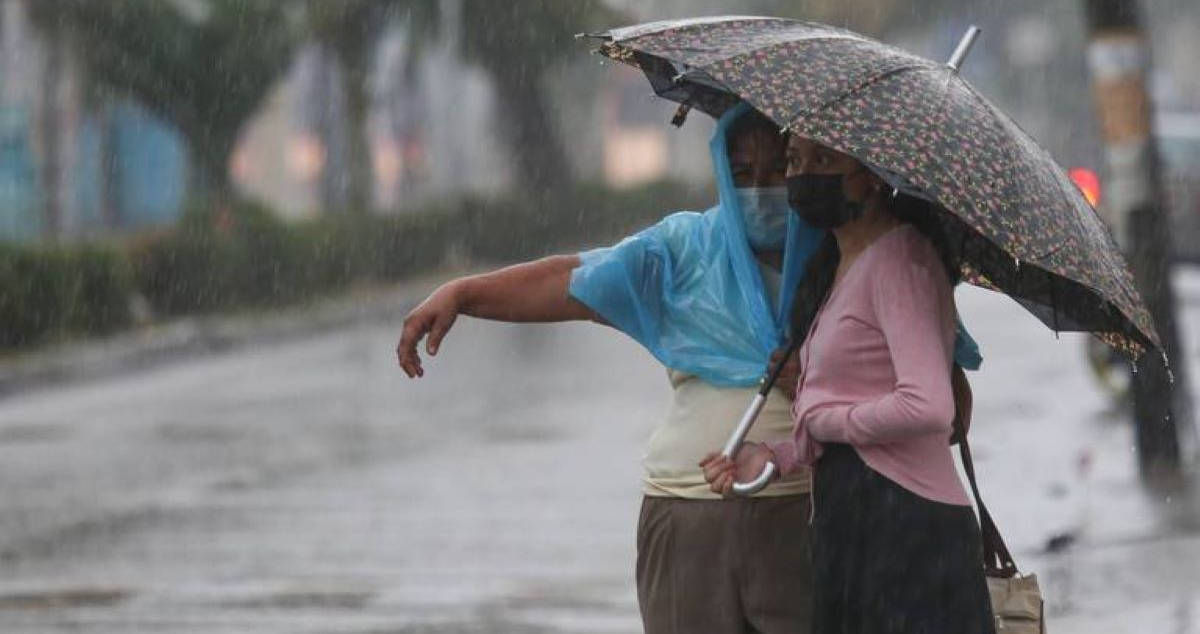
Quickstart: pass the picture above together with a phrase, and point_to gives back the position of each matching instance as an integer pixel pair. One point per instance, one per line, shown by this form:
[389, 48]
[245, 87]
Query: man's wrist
[460, 292]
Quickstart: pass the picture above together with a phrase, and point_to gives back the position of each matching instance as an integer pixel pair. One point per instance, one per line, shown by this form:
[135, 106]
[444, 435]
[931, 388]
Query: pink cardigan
[875, 369]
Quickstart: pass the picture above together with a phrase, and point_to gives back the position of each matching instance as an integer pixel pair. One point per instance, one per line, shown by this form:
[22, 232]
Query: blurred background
[215, 213]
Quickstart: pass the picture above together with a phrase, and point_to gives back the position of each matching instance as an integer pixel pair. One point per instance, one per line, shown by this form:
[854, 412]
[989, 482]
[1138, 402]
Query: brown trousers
[731, 566]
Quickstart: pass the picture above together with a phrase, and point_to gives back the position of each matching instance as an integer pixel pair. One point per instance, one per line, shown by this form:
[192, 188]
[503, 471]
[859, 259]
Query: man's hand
[721, 472]
[534, 291]
[434, 317]
[791, 372]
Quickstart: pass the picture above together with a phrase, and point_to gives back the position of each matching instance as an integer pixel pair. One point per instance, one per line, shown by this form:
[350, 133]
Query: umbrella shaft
[743, 427]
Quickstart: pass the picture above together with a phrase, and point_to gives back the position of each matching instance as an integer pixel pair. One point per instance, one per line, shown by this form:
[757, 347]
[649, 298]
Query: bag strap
[997, 561]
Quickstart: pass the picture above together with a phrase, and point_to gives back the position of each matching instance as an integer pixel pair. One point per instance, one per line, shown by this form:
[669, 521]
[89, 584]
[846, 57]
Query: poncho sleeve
[626, 284]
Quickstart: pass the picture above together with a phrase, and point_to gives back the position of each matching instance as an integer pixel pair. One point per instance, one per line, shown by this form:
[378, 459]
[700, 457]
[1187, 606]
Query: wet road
[309, 487]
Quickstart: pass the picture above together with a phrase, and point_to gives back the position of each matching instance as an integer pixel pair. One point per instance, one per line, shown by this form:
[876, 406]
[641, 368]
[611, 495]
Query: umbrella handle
[735, 442]
[746, 489]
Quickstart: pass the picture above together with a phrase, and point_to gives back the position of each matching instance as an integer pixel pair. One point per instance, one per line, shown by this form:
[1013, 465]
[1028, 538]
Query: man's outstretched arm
[527, 292]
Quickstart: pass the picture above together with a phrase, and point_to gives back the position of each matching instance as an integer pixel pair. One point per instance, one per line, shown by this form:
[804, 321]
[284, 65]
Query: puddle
[305, 599]
[63, 598]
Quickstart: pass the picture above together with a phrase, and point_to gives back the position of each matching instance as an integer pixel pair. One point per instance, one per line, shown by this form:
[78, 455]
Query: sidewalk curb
[190, 337]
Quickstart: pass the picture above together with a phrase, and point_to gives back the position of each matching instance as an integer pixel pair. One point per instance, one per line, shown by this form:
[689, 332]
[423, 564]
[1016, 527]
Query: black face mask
[820, 201]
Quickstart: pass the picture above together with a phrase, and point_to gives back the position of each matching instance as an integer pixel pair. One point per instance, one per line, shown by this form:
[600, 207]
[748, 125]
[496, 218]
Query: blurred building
[74, 163]
[428, 129]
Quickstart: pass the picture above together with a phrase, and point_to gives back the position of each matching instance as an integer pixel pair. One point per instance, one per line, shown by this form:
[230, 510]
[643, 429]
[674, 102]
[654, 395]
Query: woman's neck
[855, 236]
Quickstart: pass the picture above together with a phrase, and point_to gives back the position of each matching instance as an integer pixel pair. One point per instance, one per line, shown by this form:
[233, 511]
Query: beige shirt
[700, 420]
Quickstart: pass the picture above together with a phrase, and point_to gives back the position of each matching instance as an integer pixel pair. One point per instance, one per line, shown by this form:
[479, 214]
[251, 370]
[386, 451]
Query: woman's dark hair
[926, 218]
[817, 282]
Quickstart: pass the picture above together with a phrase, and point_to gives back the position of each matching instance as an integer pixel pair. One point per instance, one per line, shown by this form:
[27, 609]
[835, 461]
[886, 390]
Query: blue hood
[689, 288]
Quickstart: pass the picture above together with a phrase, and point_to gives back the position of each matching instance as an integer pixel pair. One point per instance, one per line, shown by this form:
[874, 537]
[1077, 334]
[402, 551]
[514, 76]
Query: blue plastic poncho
[689, 288]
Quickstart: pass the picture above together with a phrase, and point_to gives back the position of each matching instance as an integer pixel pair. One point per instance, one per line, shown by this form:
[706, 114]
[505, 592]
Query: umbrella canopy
[1012, 216]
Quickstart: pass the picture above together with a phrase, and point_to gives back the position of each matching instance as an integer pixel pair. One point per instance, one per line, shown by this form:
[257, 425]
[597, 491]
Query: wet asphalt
[307, 486]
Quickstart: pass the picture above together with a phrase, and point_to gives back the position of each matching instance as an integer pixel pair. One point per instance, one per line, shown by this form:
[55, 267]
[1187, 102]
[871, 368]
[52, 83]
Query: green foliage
[256, 260]
[50, 292]
[249, 258]
[508, 229]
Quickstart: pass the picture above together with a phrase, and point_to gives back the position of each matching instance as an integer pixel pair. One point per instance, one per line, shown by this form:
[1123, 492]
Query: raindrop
[1167, 365]
[1133, 367]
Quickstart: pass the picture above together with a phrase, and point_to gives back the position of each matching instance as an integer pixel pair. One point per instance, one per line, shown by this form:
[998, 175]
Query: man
[710, 296]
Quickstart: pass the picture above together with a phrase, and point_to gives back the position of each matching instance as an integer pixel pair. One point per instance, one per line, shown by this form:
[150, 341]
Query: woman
[896, 547]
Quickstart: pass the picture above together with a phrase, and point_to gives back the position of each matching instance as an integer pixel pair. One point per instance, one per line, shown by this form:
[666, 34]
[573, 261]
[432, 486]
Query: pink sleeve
[786, 456]
[802, 449]
[790, 455]
[913, 303]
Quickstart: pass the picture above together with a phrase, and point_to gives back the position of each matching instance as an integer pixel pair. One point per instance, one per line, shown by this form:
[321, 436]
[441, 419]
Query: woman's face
[808, 157]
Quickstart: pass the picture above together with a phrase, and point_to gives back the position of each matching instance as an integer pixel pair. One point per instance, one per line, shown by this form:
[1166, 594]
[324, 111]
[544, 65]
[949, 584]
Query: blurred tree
[516, 42]
[351, 30]
[103, 109]
[49, 124]
[1119, 57]
[203, 65]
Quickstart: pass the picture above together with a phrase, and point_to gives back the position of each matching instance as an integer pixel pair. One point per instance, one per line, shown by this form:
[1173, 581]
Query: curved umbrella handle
[757, 484]
[735, 443]
[743, 427]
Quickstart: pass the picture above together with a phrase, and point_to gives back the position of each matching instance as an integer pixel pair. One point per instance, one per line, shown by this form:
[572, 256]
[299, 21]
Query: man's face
[757, 159]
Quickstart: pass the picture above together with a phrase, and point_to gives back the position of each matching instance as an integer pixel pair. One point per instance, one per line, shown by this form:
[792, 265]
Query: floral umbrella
[1014, 219]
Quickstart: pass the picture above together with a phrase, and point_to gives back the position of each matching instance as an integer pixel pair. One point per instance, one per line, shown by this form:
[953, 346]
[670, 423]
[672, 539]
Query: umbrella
[1013, 218]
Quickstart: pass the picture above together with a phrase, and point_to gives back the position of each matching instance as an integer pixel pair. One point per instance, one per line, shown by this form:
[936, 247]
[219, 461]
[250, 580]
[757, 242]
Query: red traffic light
[1087, 182]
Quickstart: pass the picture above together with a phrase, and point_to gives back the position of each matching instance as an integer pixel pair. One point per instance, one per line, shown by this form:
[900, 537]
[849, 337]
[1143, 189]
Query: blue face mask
[765, 215]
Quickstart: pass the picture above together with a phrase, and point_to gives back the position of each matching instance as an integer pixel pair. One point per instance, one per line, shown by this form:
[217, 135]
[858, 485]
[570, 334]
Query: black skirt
[888, 561]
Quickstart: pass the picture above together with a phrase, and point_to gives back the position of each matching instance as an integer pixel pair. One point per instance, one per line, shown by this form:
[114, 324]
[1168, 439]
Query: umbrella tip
[963, 48]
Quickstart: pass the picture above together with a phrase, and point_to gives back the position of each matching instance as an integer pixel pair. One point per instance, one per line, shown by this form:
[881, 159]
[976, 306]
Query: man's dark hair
[751, 121]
